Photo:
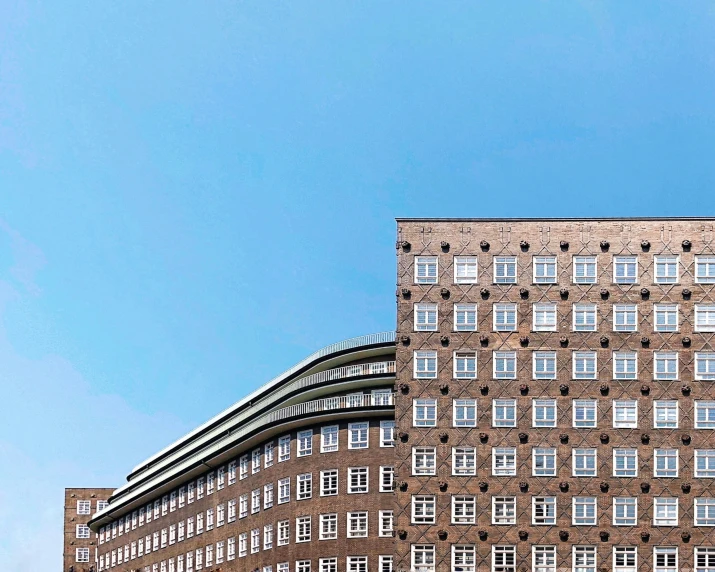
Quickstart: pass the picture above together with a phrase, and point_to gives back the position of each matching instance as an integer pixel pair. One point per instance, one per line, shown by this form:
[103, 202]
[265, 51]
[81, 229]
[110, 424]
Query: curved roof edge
[351, 343]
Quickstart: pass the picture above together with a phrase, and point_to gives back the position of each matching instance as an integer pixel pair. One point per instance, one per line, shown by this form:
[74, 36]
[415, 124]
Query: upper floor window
[82, 531]
[504, 412]
[305, 443]
[503, 511]
[284, 448]
[665, 559]
[666, 317]
[625, 512]
[666, 269]
[465, 412]
[625, 462]
[504, 365]
[544, 317]
[465, 317]
[544, 364]
[584, 462]
[329, 439]
[423, 558]
[665, 365]
[584, 317]
[425, 364]
[544, 558]
[426, 317]
[665, 463]
[387, 433]
[625, 558]
[625, 365]
[584, 365]
[503, 558]
[543, 462]
[465, 269]
[82, 555]
[544, 412]
[704, 366]
[584, 270]
[424, 412]
[358, 435]
[704, 414]
[625, 269]
[665, 414]
[625, 413]
[705, 269]
[545, 269]
[543, 510]
[426, 269]
[84, 507]
[465, 365]
[704, 463]
[423, 509]
[625, 317]
[424, 460]
[505, 269]
[504, 316]
[503, 461]
[464, 461]
[704, 318]
[705, 511]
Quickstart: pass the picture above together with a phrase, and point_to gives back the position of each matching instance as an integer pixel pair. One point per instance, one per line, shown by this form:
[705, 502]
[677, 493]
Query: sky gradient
[194, 196]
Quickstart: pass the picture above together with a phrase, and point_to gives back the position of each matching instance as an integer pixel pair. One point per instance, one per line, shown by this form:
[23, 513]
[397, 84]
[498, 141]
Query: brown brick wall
[72, 519]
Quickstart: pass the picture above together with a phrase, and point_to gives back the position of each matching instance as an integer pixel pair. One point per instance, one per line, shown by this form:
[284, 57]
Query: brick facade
[75, 503]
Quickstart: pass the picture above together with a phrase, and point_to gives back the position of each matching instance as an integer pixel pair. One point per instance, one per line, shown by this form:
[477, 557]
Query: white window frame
[584, 452]
[662, 315]
[504, 461]
[586, 358]
[586, 262]
[625, 317]
[625, 365]
[581, 507]
[704, 366]
[466, 270]
[546, 453]
[464, 509]
[426, 317]
[669, 515]
[705, 269]
[465, 318]
[708, 456]
[465, 365]
[424, 406]
[426, 269]
[628, 505]
[503, 510]
[423, 509]
[507, 359]
[541, 410]
[425, 364]
[621, 269]
[587, 405]
[667, 406]
[464, 412]
[625, 413]
[501, 406]
[547, 263]
[671, 462]
[666, 357]
[704, 414]
[707, 504]
[329, 438]
[547, 506]
[588, 311]
[464, 461]
[667, 553]
[424, 454]
[666, 262]
[502, 267]
[329, 482]
[502, 311]
[547, 358]
[630, 456]
[622, 557]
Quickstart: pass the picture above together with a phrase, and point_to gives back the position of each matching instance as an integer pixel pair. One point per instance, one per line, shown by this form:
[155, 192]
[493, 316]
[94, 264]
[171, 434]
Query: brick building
[80, 543]
[545, 404]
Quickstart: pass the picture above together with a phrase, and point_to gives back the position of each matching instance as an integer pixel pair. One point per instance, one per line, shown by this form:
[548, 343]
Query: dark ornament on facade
[402, 533]
[483, 437]
[604, 534]
[445, 246]
[405, 340]
[523, 535]
[604, 293]
[645, 245]
[645, 293]
[645, 341]
[687, 245]
[404, 436]
[406, 293]
[686, 341]
[484, 340]
[645, 389]
[604, 341]
[685, 536]
[484, 292]
[685, 487]
[484, 388]
[604, 437]
[484, 245]
[524, 389]
[524, 292]
[444, 340]
[523, 486]
[645, 487]
[564, 486]
[686, 439]
[442, 485]
[405, 245]
[403, 387]
[402, 485]
[564, 244]
[444, 388]
[645, 438]
[442, 534]
[564, 535]
[564, 389]
[444, 293]
[604, 486]
[564, 293]
[483, 485]
[604, 389]
[605, 245]
[686, 389]
[524, 341]
[444, 437]
[564, 341]
[687, 293]
[564, 437]
[524, 245]
[645, 535]
[482, 534]
[523, 437]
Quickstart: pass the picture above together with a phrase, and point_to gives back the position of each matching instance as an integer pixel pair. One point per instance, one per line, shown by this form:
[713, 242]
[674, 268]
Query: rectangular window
[284, 448]
[255, 461]
[704, 414]
[625, 317]
[424, 412]
[231, 504]
[704, 463]
[357, 524]
[625, 269]
[302, 529]
[268, 455]
[243, 506]
[283, 533]
[304, 486]
[544, 317]
[327, 565]
[423, 509]
[544, 412]
[503, 461]
[584, 463]
[666, 317]
[465, 317]
[704, 318]
[464, 461]
[424, 461]
[704, 511]
[384, 563]
[665, 463]
[625, 462]
[543, 510]
[328, 526]
[386, 522]
[504, 412]
[426, 269]
[543, 559]
[544, 365]
[465, 365]
[505, 269]
[625, 413]
[82, 531]
[425, 364]
[625, 559]
[584, 317]
[584, 270]
[84, 507]
[464, 509]
[625, 511]
[465, 269]
[584, 413]
[544, 269]
[267, 495]
[584, 511]
[255, 540]
[357, 480]
[387, 433]
[387, 479]
[464, 412]
[255, 501]
[704, 366]
[329, 439]
[464, 558]
[423, 558]
[665, 511]
[504, 365]
[705, 269]
[503, 558]
[503, 510]
[625, 365]
[305, 443]
[544, 462]
[426, 317]
[329, 482]
[665, 365]
[665, 559]
[504, 316]
[82, 555]
[302, 566]
[242, 470]
[584, 365]
[358, 435]
[665, 414]
[666, 269]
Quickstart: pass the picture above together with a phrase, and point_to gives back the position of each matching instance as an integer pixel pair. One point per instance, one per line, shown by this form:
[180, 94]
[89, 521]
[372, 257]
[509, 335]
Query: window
[82, 554]
[625, 413]
[624, 558]
[219, 551]
[465, 269]
[231, 510]
[465, 317]
[505, 269]
[302, 529]
[704, 559]
[666, 317]
[304, 485]
[665, 511]
[704, 318]
[625, 511]
[329, 483]
[704, 463]
[82, 531]
[423, 509]
[625, 317]
[357, 564]
[584, 270]
[705, 269]
[357, 480]
[284, 448]
[704, 414]
[544, 462]
[503, 510]
[424, 461]
[243, 506]
[464, 461]
[255, 540]
[329, 439]
[243, 473]
[423, 558]
[625, 462]
[464, 558]
[424, 412]
[544, 317]
[305, 443]
[704, 511]
[327, 565]
[584, 413]
[584, 559]
[584, 317]
[425, 364]
[387, 479]
[267, 495]
[584, 462]
[666, 269]
[387, 433]
[625, 365]
[426, 269]
[625, 269]
[386, 522]
[84, 507]
[665, 414]
[358, 435]
[544, 269]
[464, 412]
[543, 559]
[328, 526]
[544, 412]
[503, 461]
[584, 365]
[384, 563]
[268, 455]
[504, 365]
[544, 365]
[426, 317]
[283, 532]
[504, 412]
[704, 366]
[380, 396]
[665, 559]
[665, 365]
[665, 463]
[357, 524]
[465, 365]
[464, 509]
[255, 461]
[584, 511]
[504, 317]
[302, 566]
[543, 510]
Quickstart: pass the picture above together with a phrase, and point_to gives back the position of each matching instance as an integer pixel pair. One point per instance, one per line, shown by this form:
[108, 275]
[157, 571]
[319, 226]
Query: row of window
[544, 269]
[358, 482]
[85, 506]
[584, 510]
[545, 463]
[544, 413]
[255, 540]
[544, 317]
[584, 364]
[545, 559]
[358, 438]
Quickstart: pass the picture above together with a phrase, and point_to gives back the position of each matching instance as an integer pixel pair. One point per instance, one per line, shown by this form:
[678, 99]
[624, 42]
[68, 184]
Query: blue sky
[194, 196]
